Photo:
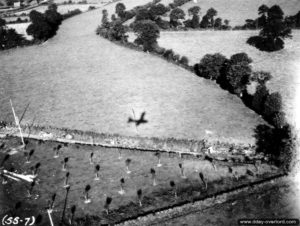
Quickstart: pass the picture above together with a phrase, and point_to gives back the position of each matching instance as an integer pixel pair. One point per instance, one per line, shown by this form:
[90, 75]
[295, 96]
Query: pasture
[51, 178]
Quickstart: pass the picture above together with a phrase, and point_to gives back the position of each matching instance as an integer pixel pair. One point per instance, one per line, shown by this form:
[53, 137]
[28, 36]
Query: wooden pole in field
[65, 204]
[50, 217]
[17, 122]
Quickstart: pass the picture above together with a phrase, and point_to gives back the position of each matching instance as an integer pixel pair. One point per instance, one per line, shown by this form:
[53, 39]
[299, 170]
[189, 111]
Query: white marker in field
[195, 1]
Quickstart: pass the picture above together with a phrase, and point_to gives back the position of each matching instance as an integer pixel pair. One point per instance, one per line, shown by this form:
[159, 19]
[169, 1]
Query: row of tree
[262, 20]
[235, 74]
[155, 12]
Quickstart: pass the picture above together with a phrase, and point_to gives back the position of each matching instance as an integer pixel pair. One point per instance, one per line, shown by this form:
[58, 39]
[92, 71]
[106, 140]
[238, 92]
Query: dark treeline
[262, 19]
[235, 74]
[156, 12]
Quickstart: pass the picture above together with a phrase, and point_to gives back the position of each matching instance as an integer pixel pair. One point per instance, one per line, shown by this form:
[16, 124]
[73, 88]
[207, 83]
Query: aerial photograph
[149, 112]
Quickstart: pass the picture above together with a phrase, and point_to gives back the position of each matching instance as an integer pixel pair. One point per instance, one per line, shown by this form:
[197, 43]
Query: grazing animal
[137, 122]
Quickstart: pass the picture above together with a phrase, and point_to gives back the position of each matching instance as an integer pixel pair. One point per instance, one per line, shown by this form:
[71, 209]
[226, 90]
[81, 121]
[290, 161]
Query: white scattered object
[16, 150]
[46, 135]
[87, 201]
[211, 150]
[208, 132]
[121, 192]
[28, 178]
[69, 137]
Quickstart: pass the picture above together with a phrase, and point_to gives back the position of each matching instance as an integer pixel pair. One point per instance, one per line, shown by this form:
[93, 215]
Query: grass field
[51, 177]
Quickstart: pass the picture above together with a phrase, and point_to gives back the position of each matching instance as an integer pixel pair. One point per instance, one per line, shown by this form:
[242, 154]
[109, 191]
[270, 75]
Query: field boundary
[197, 204]
[200, 149]
[182, 209]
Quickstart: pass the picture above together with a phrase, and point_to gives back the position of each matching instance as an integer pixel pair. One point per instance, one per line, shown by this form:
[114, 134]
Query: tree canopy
[274, 30]
[120, 9]
[147, 33]
[44, 26]
[175, 15]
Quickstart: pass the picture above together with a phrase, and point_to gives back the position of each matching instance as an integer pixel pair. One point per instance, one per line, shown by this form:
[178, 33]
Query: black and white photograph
[149, 112]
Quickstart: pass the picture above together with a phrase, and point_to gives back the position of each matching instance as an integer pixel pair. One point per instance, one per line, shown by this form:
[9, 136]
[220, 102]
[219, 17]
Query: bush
[261, 76]
[169, 54]
[128, 15]
[175, 15]
[147, 33]
[157, 10]
[237, 73]
[279, 143]
[44, 26]
[162, 23]
[184, 60]
[278, 119]
[160, 50]
[142, 14]
[71, 13]
[176, 57]
[274, 31]
[259, 98]
[240, 57]
[238, 77]
[117, 31]
[9, 38]
[211, 65]
[273, 104]
[265, 43]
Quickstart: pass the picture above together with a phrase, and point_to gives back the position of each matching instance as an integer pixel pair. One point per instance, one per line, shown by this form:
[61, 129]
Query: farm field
[237, 11]
[281, 64]
[51, 179]
[81, 81]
